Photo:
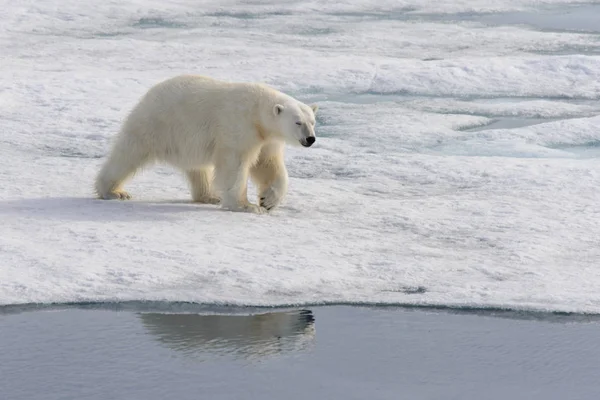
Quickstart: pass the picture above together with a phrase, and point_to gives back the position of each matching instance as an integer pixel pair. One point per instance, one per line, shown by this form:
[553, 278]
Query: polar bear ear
[278, 109]
[314, 108]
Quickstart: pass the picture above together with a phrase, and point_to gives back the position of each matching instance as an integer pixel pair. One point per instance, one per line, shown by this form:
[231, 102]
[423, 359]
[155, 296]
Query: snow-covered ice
[406, 198]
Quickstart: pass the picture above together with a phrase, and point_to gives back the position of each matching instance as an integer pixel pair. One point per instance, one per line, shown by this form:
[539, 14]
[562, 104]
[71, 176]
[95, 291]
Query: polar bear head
[296, 122]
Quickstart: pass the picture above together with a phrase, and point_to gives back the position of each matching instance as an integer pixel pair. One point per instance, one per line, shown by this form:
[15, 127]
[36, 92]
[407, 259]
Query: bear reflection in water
[245, 336]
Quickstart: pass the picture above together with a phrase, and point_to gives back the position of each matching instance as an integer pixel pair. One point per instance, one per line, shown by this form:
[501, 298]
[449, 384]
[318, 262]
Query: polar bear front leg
[270, 175]
[200, 180]
[231, 181]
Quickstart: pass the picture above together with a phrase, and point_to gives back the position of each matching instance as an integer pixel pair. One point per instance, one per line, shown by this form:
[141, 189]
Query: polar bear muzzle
[308, 136]
[308, 141]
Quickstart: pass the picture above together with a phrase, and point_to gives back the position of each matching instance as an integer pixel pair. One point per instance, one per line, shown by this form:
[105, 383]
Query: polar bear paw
[115, 195]
[207, 200]
[249, 208]
[253, 208]
[269, 199]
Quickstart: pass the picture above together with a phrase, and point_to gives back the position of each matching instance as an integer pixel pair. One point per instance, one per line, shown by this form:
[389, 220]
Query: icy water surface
[322, 352]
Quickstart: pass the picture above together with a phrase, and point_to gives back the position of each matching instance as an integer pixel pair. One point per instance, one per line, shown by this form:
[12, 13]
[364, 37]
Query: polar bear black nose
[310, 140]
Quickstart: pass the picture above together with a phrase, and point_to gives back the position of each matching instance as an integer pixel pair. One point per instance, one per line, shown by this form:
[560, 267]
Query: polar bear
[219, 133]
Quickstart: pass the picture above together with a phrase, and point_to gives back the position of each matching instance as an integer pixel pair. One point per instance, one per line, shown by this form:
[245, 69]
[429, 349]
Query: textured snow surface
[406, 198]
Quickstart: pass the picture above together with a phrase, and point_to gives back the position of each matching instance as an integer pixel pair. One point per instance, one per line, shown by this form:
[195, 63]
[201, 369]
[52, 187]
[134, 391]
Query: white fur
[219, 133]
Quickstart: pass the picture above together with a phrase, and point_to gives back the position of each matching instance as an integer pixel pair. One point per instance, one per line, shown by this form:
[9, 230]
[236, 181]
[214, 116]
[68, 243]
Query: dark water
[564, 18]
[580, 18]
[323, 353]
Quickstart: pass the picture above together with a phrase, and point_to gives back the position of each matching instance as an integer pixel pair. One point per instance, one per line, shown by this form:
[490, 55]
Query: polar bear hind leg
[125, 159]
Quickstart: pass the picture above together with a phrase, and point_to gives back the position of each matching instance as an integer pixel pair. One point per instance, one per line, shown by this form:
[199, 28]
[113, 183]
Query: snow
[401, 201]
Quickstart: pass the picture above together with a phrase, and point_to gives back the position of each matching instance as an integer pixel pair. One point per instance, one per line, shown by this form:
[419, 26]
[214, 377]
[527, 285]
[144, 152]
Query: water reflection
[243, 336]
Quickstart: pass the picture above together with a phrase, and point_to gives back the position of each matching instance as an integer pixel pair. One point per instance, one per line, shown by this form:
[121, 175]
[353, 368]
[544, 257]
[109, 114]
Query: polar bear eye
[298, 123]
